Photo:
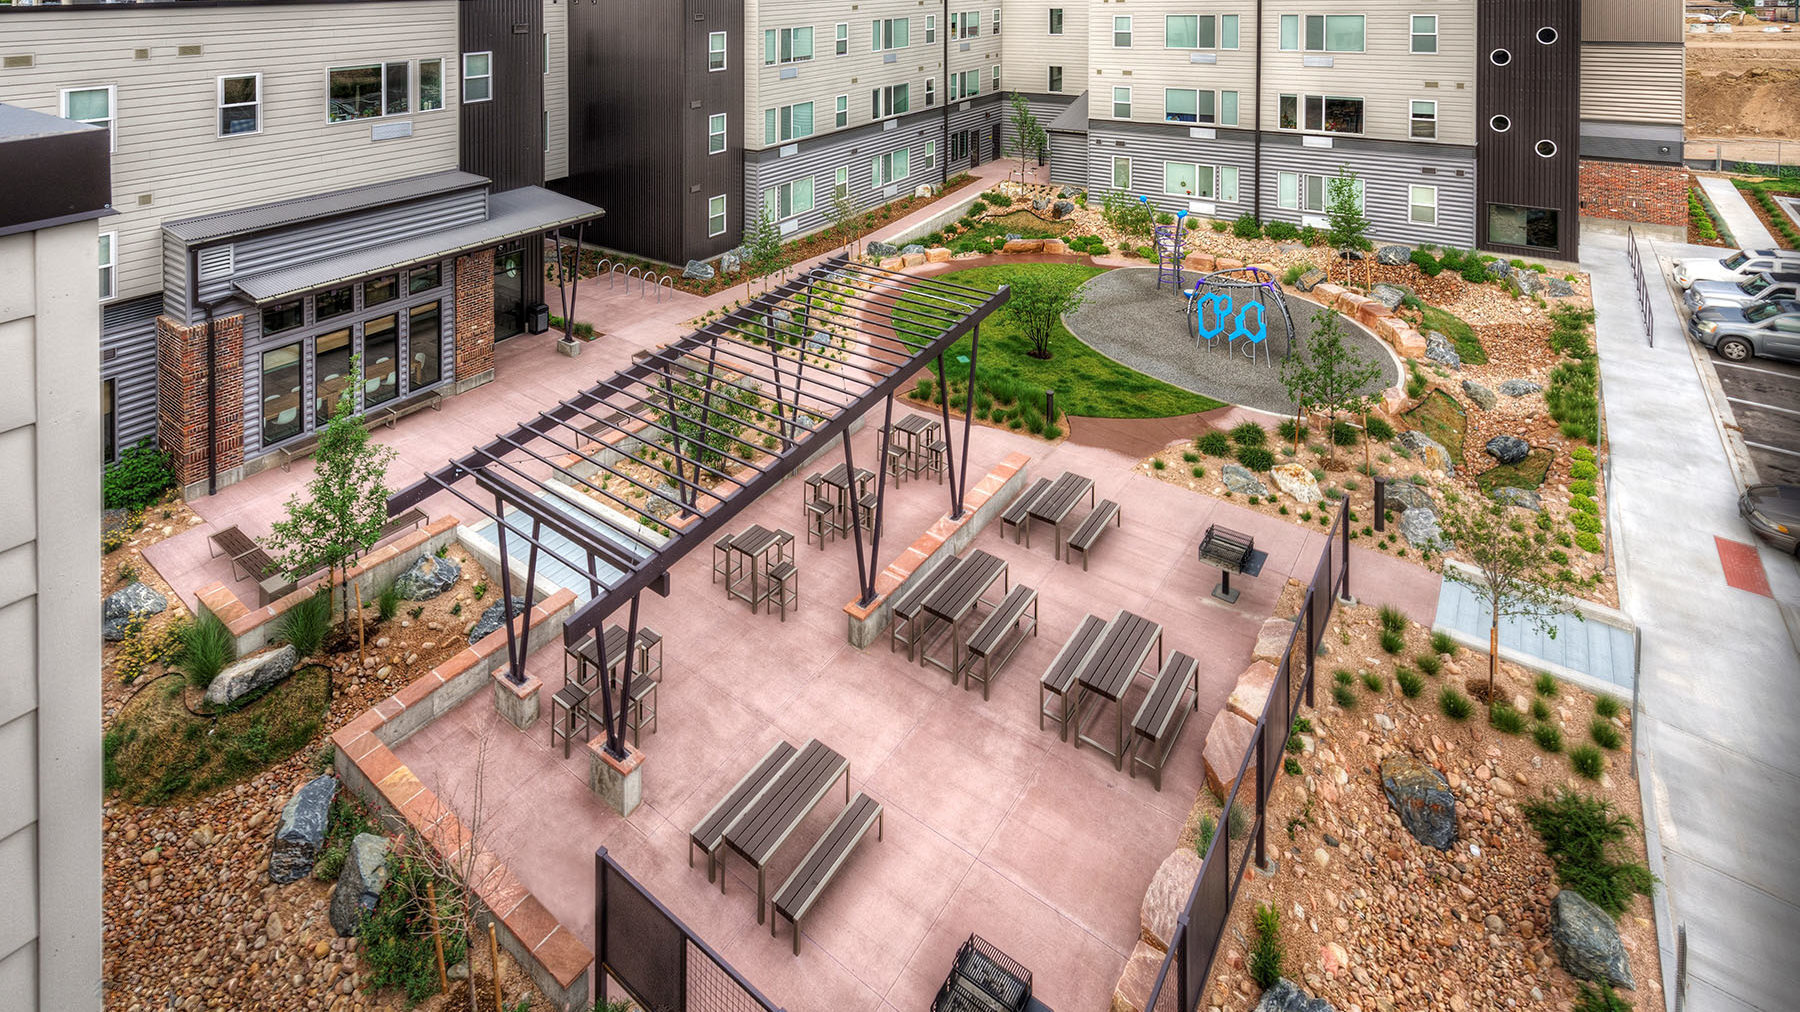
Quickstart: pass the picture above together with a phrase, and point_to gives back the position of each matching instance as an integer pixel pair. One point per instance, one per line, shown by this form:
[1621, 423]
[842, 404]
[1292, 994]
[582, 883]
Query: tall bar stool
[818, 521]
[784, 587]
[934, 458]
[784, 545]
[568, 706]
[815, 485]
[723, 559]
[865, 507]
[897, 462]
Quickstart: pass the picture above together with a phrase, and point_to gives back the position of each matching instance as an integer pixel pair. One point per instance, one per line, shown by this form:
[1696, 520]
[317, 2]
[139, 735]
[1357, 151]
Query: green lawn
[1086, 382]
[1468, 346]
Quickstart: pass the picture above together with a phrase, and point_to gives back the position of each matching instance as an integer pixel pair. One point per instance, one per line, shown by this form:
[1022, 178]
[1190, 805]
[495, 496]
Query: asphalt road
[1765, 398]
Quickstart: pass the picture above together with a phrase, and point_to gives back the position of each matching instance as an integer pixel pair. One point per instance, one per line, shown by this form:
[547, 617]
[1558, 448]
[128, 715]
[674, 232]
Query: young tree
[1029, 138]
[763, 252]
[1349, 227]
[1039, 300]
[1297, 376]
[1335, 375]
[841, 213]
[346, 500]
[1511, 572]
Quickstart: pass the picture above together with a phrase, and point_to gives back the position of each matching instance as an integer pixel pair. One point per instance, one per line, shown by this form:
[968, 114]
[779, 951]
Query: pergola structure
[672, 448]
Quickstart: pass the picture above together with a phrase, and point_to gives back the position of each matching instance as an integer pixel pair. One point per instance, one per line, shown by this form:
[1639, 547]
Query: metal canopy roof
[225, 224]
[683, 440]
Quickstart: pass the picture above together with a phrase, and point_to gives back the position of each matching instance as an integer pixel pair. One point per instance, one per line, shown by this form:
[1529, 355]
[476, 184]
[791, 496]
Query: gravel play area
[1126, 318]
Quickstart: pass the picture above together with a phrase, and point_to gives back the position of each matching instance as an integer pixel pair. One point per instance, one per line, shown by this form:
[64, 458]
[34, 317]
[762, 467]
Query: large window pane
[380, 290]
[431, 85]
[397, 88]
[424, 346]
[1290, 31]
[1522, 226]
[1205, 38]
[1290, 112]
[1228, 31]
[1121, 173]
[1228, 108]
[1180, 105]
[334, 302]
[355, 93]
[1288, 190]
[1344, 115]
[283, 316]
[281, 394]
[381, 352]
[1179, 31]
[422, 279]
[331, 374]
[1344, 33]
[1180, 178]
[1315, 31]
[1204, 107]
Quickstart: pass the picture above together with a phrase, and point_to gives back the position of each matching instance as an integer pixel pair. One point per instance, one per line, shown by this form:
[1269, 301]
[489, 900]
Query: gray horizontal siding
[1045, 107]
[1633, 83]
[175, 277]
[1069, 159]
[979, 112]
[1149, 145]
[821, 157]
[1387, 170]
[128, 358]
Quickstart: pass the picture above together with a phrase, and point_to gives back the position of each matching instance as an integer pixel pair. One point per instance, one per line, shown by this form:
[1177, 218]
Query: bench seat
[992, 644]
[710, 832]
[1059, 677]
[802, 888]
[911, 601]
[1016, 515]
[1092, 529]
[1163, 714]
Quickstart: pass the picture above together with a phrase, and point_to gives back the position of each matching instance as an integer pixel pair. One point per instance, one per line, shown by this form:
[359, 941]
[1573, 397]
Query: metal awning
[684, 440]
[528, 210]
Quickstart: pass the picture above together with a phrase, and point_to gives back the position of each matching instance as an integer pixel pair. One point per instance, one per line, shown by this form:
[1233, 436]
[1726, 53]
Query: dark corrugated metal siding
[128, 358]
[502, 138]
[706, 93]
[1537, 90]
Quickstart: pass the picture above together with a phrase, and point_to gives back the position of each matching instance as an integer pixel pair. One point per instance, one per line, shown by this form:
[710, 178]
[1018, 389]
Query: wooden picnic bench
[803, 886]
[1054, 505]
[1229, 550]
[1015, 515]
[1164, 713]
[711, 829]
[992, 645]
[1110, 669]
[954, 599]
[773, 815]
[388, 414]
[911, 601]
[1091, 530]
[1059, 677]
[271, 581]
[235, 544]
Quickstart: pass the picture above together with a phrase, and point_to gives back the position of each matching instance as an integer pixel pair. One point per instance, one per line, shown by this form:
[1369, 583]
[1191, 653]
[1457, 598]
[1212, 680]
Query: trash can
[538, 318]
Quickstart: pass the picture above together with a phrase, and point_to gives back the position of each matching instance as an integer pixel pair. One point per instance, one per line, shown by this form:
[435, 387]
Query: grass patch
[1372, 681]
[1506, 719]
[1392, 642]
[1588, 762]
[1410, 682]
[1468, 345]
[1441, 418]
[1086, 382]
[1606, 706]
[1585, 837]
[1527, 474]
[1761, 192]
[1429, 664]
[1598, 998]
[1455, 705]
[1545, 685]
[158, 752]
[1548, 737]
[1442, 643]
[1266, 952]
[1392, 619]
[396, 935]
[1605, 735]
[1574, 399]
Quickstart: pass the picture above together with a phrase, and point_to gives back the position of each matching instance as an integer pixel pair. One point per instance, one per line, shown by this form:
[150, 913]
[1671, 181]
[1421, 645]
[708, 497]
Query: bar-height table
[911, 430]
[1109, 670]
[1054, 505]
[839, 479]
[770, 819]
[952, 601]
[754, 545]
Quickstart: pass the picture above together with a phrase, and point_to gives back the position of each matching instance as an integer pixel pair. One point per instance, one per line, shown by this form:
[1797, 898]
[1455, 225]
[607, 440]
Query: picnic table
[910, 430]
[955, 598]
[840, 480]
[768, 821]
[1110, 668]
[1054, 505]
[753, 545]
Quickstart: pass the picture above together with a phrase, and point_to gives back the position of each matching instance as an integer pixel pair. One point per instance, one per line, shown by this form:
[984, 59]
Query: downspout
[1257, 139]
[944, 160]
[212, 374]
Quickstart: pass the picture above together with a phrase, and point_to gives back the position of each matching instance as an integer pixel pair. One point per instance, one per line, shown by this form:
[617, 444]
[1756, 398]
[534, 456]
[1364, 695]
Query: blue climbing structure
[1167, 241]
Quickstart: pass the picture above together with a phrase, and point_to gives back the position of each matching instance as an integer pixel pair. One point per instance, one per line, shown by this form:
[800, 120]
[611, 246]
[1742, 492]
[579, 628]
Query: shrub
[387, 603]
[1392, 642]
[1548, 736]
[1343, 676]
[1583, 503]
[1344, 697]
[1606, 706]
[1426, 263]
[1589, 542]
[1291, 767]
[1213, 444]
[1373, 682]
[1455, 705]
[1545, 685]
[1586, 839]
[1410, 682]
[1255, 458]
[1158, 463]
[1605, 734]
[1221, 226]
[1266, 952]
[1282, 230]
[1199, 472]
[1506, 719]
[1600, 997]
[141, 476]
[1443, 644]
[1588, 762]
[1291, 431]
[1583, 453]
[1429, 664]
[395, 938]
[1208, 827]
[1165, 218]
[206, 647]
[1583, 470]
[306, 623]
[1249, 434]
[1392, 619]
[1343, 434]
[1311, 236]
[1585, 522]
[1379, 430]
[978, 207]
[1582, 487]
[1247, 227]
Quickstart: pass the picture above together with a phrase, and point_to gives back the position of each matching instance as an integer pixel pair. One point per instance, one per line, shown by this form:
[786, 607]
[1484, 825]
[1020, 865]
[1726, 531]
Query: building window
[1512, 225]
[785, 200]
[930, 91]
[431, 85]
[283, 316]
[893, 100]
[1228, 108]
[930, 28]
[930, 154]
[840, 183]
[1185, 105]
[1228, 183]
[424, 279]
[1421, 205]
[1122, 32]
[715, 133]
[545, 39]
[1546, 149]
[788, 122]
[1056, 21]
[1323, 33]
[1187, 31]
[1187, 179]
[715, 51]
[842, 115]
[1424, 33]
[424, 346]
[996, 21]
[379, 290]
[356, 93]
[1324, 113]
[331, 366]
[890, 167]
[281, 394]
[891, 33]
[333, 302]
[715, 215]
[1121, 173]
[478, 77]
[1424, 118]
[1305, 192]
[965, 85]
[240, 104]
[93, 106]
[842, 39]
[1546, 36]
[1500, 124]
[1056, 79]
[380, 361]
[109, 426]
[1500, 57]
[1228, 31]
[971, 24]
[1121, 103]
[787, 45]
[108, 259]
[994, 78]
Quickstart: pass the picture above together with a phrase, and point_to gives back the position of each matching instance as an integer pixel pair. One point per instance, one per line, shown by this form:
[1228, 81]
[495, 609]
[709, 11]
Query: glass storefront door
[509, 291]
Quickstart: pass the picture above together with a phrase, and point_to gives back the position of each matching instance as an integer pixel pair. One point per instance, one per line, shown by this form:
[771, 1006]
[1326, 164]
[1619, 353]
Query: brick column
[181, 386]
[474, 317]
[1635, 192]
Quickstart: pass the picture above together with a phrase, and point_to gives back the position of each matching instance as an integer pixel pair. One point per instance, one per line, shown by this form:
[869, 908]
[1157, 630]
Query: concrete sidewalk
[1716, 726]
[1740, 217]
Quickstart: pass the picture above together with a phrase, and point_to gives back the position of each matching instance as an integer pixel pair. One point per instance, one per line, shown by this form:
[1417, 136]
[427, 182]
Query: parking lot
[1765, 398]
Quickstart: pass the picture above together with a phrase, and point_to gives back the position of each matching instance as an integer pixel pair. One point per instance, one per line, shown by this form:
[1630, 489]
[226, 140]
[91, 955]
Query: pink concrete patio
[992, 825]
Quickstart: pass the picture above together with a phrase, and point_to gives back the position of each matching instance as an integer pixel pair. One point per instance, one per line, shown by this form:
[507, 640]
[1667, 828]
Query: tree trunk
[1493, 652]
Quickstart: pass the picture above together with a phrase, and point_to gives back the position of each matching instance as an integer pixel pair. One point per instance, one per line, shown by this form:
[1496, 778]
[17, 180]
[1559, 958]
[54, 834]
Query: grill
[984, 979]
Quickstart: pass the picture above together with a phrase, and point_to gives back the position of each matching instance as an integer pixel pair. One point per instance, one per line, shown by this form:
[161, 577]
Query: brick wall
[1634, 191]
[474, 314]
[181, 386]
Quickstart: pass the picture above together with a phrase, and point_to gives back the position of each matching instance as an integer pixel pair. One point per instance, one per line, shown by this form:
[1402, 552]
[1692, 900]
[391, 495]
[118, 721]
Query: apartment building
[298, 184]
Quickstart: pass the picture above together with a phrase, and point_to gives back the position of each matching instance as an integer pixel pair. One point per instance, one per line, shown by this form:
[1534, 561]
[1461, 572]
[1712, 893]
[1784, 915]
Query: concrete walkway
[1740, 217]
[1598, 655]
[1716, 727]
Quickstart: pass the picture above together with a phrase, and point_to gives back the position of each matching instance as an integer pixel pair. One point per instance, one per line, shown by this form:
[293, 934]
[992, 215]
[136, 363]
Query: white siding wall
[556, 89]
[167, 147]
[1028, 50]
[1633, 83]
[1148, 67]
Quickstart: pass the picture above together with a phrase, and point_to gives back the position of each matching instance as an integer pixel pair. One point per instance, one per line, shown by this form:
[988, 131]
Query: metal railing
[1636, 258]
[659, 962]
[1202, 922]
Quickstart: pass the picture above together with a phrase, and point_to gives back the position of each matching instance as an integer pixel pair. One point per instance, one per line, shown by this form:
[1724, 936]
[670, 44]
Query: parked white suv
[1736, 267]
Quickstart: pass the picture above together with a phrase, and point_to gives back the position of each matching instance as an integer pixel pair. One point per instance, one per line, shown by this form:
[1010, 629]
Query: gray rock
[911, 248]
[1419, 526]
[301, 830]
[1407, 496]
[1421, 797]
[492, 618]
[1499, 269]
[1430, 451]
[1587, 942]
[131, 599]
[1393, 256]
[1285, 996]
[1439, 348]
[1519, 387]
[1481, 395]
[1523, 498]
[1557, 288]
[1239, 479]
[1529, 281]
[428, 577]
[1010, 236]
[1062, 208]
[1066, 192]
[698, 270]
[1311, 280]
[1508, 449]
[880, 249]
[250, 674]
[359, 885]
[1388, 295]
[732, 260]
[1040, 204]
[1348, 253]
[1297, 482]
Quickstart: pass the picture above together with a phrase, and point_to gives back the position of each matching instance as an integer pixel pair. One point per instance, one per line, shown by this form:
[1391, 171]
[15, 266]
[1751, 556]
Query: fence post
[600, 924]
[1309, 651]
[1344, 517]
[1262, 793]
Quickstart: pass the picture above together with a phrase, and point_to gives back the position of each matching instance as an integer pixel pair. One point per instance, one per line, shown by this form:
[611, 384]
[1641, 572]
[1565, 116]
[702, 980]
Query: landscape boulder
[910, 248]
[1298, 482]
[1439, 348]
[1530, 282]
[1499, 269]
[1138, 977]
[732, 260]
[1431, 452]
[1481, 395]
[1311, 280]
[301, 831]
[1508, 449]
[492, 618]
[880, 249]
[1388, 295]
[1223, 753]
[1405, 495]
[1519, 387]
[1587, 942]
[132, 599]
[1420, 529]
[1062, 208]
[1557, 288]
[247, 675]
[698, 270]
[1250, 696]
[1239, 478]
[1040, 204]
[1271, 640]
[1421, 797]
[1523, 498]
[1285, 996]
[427, 577]
[359, 885]
[1393, 256]
[1167, 896]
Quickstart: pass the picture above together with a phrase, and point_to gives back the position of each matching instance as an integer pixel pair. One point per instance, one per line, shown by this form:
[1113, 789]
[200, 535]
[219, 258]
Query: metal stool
[643, 691]
[784, 545]
[784, 587]
[815, 484]
[722, 560]
[934, 458]
[865, 507]
[566, 707]
[897, 462]
[818, 521]
[649, 640]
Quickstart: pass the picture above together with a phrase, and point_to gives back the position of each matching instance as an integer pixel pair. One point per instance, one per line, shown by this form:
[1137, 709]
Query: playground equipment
[1167, 241]
[1235, 305]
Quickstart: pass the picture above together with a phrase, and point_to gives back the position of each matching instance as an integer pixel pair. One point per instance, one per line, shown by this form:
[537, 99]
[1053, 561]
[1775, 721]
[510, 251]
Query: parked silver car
[1762, 329]
[1735, 267]
[1762, 288]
